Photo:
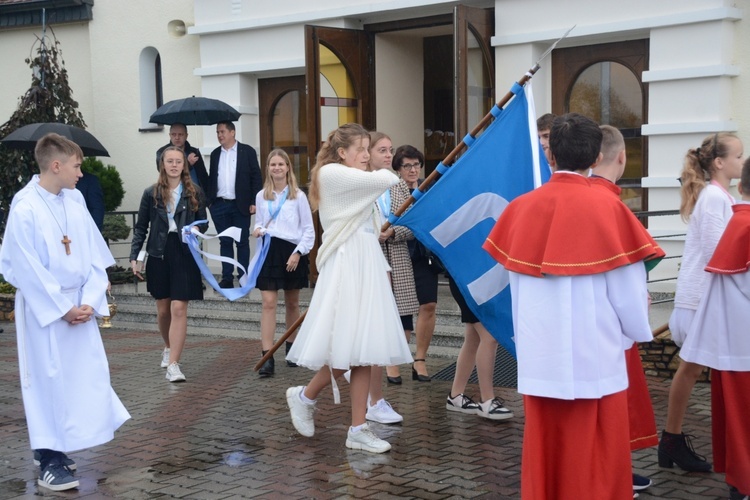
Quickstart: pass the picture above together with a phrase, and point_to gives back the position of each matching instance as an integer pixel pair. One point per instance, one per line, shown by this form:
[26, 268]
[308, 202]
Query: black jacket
[247, 183]
[197, 172]
[155, 221]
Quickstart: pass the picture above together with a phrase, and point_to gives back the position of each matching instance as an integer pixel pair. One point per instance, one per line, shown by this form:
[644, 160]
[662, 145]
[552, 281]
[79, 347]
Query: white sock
[304, 398]
[356, 429]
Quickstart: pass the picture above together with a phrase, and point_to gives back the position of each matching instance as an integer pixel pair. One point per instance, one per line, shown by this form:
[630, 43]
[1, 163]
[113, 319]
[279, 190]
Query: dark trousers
[48, 456]
[225, 215]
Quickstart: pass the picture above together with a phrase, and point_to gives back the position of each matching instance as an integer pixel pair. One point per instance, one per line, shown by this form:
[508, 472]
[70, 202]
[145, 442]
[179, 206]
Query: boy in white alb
[54, 255]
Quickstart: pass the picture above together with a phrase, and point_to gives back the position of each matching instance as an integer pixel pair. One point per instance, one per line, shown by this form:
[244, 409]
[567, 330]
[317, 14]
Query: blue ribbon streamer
[190, 237]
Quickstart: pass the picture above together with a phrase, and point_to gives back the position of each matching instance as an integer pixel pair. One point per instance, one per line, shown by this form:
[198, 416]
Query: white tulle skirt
[352, 319]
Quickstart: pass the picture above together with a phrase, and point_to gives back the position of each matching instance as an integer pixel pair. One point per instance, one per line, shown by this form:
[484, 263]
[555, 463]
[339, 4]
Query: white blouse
[293, 222]
[707, 223]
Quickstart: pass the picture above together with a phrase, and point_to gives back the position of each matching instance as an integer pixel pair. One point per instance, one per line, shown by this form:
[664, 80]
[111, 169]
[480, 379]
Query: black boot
[288, 346]
[677, 449]
[267, 369]
[735, 494]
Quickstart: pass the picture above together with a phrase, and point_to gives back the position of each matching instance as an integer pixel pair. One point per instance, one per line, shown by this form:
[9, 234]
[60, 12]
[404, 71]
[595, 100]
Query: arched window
[611, 94]
[151, 86]
[604, 83]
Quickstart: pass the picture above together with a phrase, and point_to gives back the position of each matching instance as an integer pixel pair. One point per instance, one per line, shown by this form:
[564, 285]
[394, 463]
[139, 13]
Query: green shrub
[6, 287]
[115, 228]
[110, 180]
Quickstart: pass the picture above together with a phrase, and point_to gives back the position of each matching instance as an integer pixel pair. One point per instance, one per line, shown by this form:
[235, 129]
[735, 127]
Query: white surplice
[569, 331]
[65, 382]
[718, 336]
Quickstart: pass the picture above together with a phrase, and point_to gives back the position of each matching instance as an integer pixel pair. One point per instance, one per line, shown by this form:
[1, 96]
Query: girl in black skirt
[173, 276]
[283, 214]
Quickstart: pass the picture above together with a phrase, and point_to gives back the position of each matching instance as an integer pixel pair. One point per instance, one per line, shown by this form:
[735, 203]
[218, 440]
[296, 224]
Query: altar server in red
[643, 434]
[719, 339]
[575, 256]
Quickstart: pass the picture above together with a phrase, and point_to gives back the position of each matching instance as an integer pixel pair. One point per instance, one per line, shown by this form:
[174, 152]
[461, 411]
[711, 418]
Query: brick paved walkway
[226, 434]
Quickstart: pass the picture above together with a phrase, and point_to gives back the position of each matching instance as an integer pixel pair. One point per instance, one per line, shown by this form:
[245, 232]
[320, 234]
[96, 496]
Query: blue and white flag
[455, 215]
[190, 235]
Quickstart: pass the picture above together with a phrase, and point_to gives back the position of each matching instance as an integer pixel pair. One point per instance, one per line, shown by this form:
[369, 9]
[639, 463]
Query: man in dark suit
[233, 181]
[178, 137]
[91, 189]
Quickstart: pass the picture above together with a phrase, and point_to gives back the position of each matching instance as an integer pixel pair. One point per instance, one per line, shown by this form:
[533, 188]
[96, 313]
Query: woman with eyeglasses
[707, 207]
[393, 243]
[408, 161]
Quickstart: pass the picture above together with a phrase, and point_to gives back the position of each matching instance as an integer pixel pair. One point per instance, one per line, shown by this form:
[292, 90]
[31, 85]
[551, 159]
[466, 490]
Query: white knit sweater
[347, 200]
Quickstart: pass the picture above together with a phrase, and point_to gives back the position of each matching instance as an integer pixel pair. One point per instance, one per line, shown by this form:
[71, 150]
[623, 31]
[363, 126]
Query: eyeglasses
[411, 166]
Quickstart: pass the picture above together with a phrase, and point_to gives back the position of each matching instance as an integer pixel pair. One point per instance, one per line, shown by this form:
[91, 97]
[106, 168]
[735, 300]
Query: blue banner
[455, 215]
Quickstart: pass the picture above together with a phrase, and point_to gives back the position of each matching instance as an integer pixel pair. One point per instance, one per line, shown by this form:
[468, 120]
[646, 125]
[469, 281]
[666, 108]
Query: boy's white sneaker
[366, 440]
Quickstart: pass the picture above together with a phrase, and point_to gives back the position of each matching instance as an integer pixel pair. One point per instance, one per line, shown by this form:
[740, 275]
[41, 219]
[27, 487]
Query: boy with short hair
[718, 339]
[642, 426]
[543, 126]
[54, 255]
[578, 284]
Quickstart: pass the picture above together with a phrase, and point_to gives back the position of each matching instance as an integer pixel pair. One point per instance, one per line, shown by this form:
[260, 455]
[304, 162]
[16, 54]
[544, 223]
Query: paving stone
[225, 433]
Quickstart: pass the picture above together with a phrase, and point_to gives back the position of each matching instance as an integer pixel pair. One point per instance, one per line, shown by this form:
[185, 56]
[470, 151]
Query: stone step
[217, 316]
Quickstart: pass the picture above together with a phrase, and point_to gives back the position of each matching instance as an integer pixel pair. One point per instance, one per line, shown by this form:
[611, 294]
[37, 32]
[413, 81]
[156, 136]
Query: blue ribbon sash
[190, 235]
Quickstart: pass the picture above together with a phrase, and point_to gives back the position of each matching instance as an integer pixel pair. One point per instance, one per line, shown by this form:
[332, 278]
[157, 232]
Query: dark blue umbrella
[194, 111]
[26, 137]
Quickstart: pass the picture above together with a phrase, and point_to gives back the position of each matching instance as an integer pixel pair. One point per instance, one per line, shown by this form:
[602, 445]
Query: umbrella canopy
[26, 137]
[194, 111]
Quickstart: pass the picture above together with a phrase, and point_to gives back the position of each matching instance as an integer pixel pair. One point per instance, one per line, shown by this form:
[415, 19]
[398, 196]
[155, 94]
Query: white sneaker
[366, 440]
[494, 410]
[302, 413]
[165, 358]
[383, 413]
[174, 374]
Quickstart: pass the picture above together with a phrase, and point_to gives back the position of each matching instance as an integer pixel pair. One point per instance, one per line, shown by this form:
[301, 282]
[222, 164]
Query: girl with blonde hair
[353, 322]
[283, 214]
[707, 206]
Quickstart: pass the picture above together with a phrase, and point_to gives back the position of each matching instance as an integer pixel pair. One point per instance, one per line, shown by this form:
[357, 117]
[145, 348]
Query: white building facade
[666, 72]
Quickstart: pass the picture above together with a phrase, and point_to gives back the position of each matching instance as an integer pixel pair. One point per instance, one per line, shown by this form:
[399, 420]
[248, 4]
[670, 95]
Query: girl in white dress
[353, 322]
[707, 205]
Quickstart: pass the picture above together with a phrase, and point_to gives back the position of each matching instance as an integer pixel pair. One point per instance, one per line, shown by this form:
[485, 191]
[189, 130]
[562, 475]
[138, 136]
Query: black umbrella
[194, 111]
[26, 137]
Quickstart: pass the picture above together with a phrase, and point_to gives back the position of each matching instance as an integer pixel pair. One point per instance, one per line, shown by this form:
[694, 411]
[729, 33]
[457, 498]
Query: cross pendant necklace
[65, 241]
